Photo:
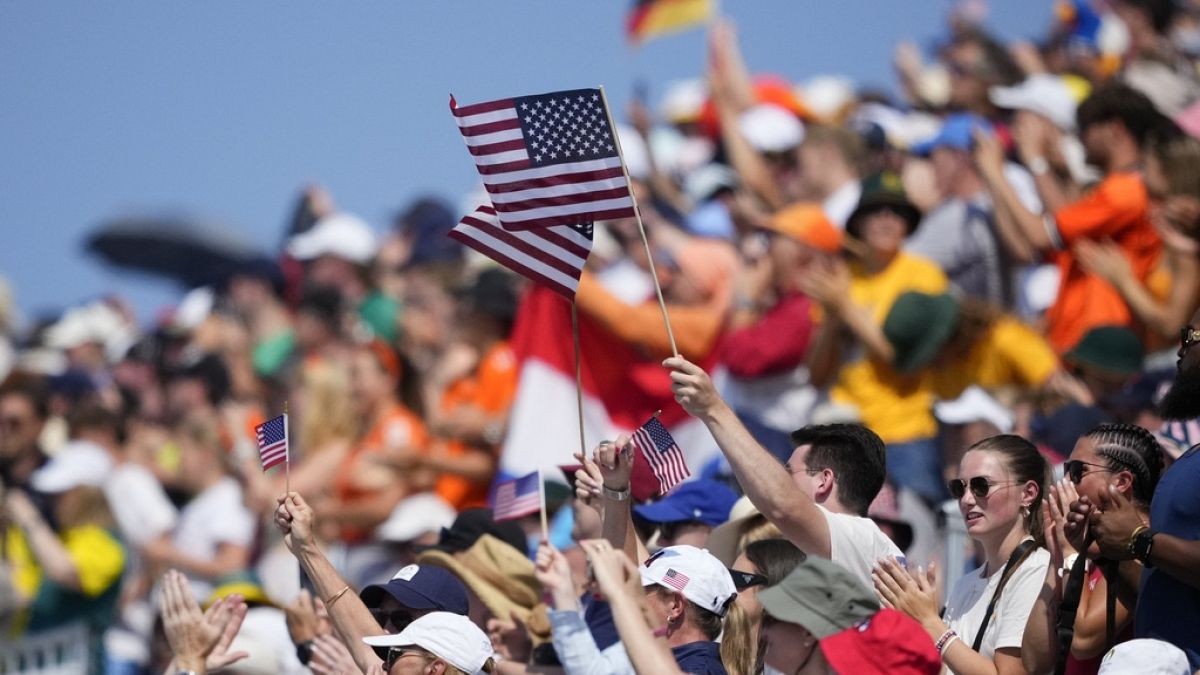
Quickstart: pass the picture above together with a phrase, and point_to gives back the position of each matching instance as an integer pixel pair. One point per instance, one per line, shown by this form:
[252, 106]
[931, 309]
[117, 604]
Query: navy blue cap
[958, 132]
[704, 500]
[421, 587]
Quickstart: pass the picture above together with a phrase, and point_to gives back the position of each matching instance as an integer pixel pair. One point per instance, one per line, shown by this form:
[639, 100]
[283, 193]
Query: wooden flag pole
[542, 499]
[637, 214]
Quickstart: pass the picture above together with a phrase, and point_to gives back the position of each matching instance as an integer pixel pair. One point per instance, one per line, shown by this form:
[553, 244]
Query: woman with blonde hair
[763, 563]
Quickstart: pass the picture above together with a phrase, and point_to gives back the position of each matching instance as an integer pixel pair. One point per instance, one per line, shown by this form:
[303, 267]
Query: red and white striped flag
[518, 497]
[662, 453]
[552, 256]
[547, 159]
[676, 579]
[272, 438]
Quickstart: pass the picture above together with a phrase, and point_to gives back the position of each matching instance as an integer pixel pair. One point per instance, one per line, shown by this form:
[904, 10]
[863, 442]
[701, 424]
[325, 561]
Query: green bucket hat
[1114, 349]
[820, 595]
[883, 190]
[917, 326]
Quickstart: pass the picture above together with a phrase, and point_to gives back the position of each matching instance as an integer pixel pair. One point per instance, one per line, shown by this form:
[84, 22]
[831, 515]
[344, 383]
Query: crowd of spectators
[961, 309]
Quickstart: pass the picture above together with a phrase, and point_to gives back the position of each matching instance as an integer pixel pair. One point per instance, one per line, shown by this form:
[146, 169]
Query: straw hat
[501, 576]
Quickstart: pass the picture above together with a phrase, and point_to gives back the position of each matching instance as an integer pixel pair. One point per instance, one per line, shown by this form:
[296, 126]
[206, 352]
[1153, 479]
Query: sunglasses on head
[393, 621]
[1074, 469]
[979, 486]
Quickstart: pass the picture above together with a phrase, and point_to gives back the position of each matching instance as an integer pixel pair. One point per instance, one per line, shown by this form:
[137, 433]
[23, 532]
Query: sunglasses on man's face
[1074, 469]
[393, 621]
[979, 486]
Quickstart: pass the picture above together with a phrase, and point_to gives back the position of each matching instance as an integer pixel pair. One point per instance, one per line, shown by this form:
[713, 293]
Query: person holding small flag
[819, 497]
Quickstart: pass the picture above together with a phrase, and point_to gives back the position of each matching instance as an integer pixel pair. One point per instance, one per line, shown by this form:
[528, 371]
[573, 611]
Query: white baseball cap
[1041, 93]
[414, 516]
[695, 573]
[342, 235]
[770, 128]
[450, 637]
[76, 463]
[1145, 657]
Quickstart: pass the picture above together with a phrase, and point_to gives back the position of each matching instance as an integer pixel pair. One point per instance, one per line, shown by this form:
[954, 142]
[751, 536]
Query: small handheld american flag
[518, 497]
[272, 439]
[662, 453]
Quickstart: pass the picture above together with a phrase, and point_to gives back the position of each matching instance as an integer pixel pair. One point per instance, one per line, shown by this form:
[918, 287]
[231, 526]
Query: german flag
[652, 18]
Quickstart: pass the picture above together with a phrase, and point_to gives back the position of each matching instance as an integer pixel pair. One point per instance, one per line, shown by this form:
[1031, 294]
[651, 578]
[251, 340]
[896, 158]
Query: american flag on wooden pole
[551, 256]
[272, 439]
[547, 159]
[662, 453]
[518, 497]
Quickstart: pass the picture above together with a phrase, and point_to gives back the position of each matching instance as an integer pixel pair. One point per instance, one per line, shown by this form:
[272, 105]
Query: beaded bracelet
[945, 639]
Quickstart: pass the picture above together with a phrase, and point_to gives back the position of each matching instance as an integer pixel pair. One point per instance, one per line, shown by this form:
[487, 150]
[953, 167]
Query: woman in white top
[1001, 483]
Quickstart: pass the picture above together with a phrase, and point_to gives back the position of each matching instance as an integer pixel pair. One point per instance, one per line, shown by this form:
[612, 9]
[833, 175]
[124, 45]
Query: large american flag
[518, 497]
[272, 438]
[548, 159]
[662, 453]
[552, 256]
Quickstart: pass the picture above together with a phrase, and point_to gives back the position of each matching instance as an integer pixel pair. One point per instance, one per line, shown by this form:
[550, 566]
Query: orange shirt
[1118, 210]
[358, 477]
[491, 388]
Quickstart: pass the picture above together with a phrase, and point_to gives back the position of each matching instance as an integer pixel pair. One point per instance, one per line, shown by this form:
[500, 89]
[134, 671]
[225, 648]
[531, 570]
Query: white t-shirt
[139, 504]
[969, 599]
[858, 544]
[213, 517]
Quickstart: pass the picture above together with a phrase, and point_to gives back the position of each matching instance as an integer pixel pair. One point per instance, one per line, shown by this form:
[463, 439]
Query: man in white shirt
[819, 498]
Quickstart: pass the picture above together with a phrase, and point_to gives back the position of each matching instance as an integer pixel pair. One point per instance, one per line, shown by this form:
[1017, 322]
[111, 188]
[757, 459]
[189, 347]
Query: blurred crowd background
[1008, 243]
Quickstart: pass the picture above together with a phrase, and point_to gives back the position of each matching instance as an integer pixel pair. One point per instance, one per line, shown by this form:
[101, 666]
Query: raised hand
[330, 657]
[914, 594]
[615, 460]
[227, 613]
[1114, 523]
[296, 520]
[191, 637]
[693, 388]
[553, 572]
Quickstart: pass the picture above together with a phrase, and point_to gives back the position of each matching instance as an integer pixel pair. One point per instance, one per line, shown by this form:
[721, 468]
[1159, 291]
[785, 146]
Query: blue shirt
[598, 616]
[1167, 608]
[699, 658]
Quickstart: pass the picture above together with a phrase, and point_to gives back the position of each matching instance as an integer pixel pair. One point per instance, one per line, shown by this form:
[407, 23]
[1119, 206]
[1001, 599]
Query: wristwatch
[1038, 166]
[1141, 545]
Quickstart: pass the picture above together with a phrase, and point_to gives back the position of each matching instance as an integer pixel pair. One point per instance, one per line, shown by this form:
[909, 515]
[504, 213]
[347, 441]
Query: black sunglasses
[743, 580]
[980, 487]
[393, 621]
[1073, 468]
[391, 655]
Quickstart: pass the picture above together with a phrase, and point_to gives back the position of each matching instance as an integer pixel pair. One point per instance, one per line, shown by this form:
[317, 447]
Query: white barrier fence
[62, 651]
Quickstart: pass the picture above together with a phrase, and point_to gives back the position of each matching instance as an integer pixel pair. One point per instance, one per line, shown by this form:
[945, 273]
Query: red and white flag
[662, 454]
[547, 159]
[622, 386]
[272, 439]
[552, 256]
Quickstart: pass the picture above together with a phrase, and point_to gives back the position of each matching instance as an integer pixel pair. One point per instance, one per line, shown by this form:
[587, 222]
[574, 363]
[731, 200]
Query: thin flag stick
[542, 510]
[578, 374]
[637, 213]
[287, 458]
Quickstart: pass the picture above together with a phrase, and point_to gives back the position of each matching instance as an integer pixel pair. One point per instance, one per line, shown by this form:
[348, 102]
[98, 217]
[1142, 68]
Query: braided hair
[1128, 447]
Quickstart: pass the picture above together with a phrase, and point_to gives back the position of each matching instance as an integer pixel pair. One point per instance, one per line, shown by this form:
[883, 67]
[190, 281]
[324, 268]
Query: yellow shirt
[897, 407]
[1010, 354]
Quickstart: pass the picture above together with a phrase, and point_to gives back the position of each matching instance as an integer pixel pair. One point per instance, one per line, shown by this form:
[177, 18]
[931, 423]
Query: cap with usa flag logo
[695, 573]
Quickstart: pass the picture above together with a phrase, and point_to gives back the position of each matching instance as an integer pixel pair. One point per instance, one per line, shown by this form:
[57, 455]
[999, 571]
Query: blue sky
[222, 110]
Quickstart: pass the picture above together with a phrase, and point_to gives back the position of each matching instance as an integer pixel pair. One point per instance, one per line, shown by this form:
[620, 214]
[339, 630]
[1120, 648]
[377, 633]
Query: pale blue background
[224, 109]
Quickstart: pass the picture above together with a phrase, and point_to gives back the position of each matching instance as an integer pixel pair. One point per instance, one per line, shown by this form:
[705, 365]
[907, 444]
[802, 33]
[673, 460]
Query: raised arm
[763, 478]
[353, 621]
